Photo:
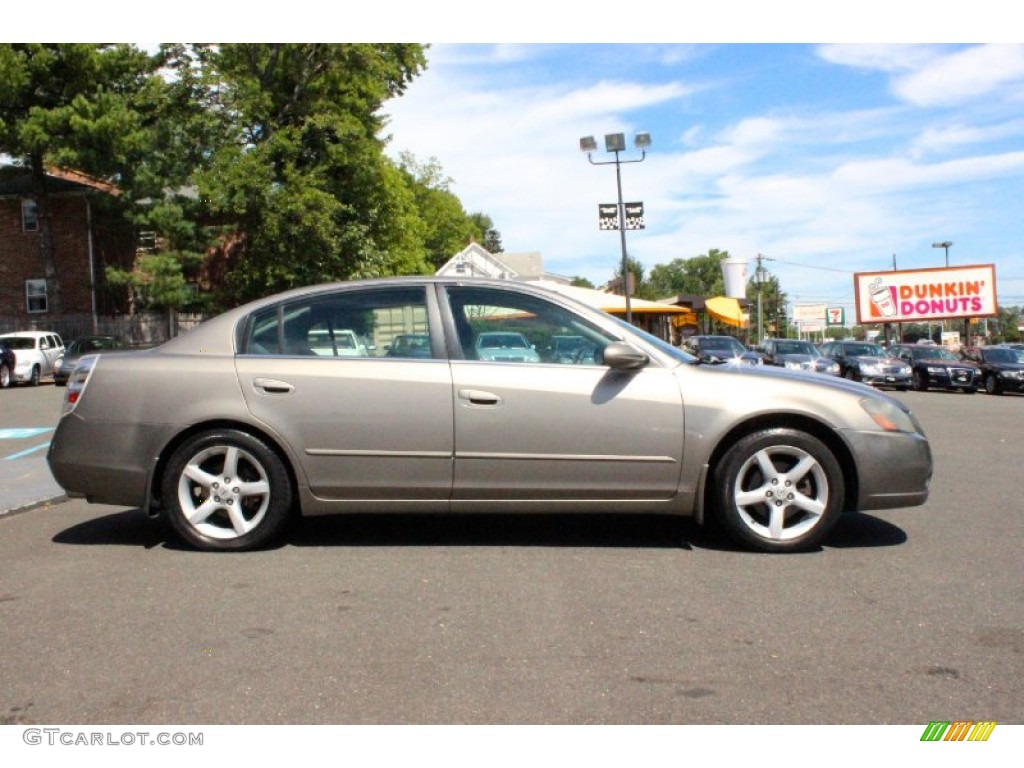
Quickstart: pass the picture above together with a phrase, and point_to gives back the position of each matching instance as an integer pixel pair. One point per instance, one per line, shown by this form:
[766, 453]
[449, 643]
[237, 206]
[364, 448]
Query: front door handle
[479, 397]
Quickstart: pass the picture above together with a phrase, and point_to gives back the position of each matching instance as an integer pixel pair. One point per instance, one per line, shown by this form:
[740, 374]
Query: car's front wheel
[919, 382]
[227, 490]
[779, 490]
[992, 385]
[34, 378]
[5, 376]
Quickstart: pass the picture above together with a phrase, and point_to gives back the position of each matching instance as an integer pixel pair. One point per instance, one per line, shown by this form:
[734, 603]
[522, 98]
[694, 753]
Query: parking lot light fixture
[616, 143]
[944, 244]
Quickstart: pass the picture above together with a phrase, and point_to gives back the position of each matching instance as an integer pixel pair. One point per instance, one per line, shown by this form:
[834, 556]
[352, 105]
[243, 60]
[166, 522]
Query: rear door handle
[479, 397]
[273, 386]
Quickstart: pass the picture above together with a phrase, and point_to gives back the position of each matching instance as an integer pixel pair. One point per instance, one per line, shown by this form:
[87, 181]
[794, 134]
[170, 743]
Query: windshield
[722, 344]
[82, 346]
[1002, 355]
[18, 342]
[795, 348]
[495, 340]
[865, 350]
[934, 353]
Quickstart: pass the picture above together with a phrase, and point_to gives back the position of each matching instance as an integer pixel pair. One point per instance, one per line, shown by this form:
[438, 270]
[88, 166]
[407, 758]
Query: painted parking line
[24, 434]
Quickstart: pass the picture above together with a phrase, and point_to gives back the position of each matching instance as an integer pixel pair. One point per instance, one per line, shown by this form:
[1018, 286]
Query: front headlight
[889, 416]
[793, 366]
[870, 369]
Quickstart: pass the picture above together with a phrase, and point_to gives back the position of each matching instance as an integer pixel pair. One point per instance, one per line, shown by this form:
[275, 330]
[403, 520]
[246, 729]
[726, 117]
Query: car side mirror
[624, 357]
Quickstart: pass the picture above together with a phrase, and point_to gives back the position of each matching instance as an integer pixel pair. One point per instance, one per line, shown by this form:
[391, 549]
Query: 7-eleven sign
[835, 316]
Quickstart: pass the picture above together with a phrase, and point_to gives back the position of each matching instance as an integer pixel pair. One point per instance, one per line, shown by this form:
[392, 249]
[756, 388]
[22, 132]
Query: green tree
[72, 104]
[487, 235]
[447, 227]
[698, 276]
[304, 177]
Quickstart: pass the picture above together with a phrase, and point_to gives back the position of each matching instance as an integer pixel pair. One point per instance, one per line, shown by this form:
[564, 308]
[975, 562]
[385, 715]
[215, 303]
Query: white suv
[35, 354]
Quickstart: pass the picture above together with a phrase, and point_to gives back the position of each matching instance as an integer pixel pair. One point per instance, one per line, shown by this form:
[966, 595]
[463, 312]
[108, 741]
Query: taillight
[77, 382]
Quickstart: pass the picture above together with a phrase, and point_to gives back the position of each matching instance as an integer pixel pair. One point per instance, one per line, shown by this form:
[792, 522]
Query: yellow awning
[726, 310]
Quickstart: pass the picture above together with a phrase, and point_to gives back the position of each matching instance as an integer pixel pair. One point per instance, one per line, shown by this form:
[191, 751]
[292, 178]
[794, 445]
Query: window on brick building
[35, 296]
[29, 216]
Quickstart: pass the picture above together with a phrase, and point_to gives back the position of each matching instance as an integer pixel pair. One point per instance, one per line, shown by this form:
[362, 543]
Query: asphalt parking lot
[905, 616]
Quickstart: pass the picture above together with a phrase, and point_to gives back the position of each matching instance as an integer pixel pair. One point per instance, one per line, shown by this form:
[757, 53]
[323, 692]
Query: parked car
[796, 355]
[84, 345]
[36, 353]
[572, 349]
[228, 440]
[721, 349]
[868, 363]
[410, 345]
[1002, 368]
[505, 347]
[7, 363]
[935, 367]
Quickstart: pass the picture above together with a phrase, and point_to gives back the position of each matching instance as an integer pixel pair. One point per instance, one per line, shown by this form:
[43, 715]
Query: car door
[373, 429]
[556, 430]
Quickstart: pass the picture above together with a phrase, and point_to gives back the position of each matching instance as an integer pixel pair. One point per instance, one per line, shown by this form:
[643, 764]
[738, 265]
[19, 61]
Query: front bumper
[886, 379]
[894, 469]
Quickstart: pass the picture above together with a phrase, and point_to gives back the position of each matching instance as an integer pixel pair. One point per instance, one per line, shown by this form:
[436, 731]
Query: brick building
[89, 234]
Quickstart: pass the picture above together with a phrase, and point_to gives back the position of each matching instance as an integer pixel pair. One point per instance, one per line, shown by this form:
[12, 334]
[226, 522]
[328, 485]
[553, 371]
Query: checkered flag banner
[607, 216]
[634, 215]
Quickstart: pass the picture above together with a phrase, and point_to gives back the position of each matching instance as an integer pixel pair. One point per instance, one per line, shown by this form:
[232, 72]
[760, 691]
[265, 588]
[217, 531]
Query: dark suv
[1002, 368]
[935, 367]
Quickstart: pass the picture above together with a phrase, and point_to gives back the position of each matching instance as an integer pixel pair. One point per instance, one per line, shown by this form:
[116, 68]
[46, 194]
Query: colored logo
[958, 730]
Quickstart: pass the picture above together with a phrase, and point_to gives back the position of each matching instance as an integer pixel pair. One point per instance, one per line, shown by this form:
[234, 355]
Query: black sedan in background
[869, 363]
[796, 355]
[84, 345]
[1002, 368]
[721, 349]
[935, 367]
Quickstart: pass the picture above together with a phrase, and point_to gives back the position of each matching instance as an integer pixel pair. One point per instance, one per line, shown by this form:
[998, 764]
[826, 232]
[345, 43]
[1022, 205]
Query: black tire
[34, 380]
[850, 374]
[5, 376]
[779, 490]
[992, 385]
[919, 382]
[206, 504]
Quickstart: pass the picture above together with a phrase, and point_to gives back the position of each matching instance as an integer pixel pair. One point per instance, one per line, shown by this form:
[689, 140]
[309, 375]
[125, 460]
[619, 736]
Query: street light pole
[945, 245]
[616, 143]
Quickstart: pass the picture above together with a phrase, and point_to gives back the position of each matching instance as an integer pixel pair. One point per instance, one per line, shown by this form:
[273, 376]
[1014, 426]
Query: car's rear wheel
[227, 490]
[5, 376]
[779, 490]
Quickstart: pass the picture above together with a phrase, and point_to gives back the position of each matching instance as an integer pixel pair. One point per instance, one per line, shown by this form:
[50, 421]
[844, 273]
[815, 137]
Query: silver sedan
[239, 425]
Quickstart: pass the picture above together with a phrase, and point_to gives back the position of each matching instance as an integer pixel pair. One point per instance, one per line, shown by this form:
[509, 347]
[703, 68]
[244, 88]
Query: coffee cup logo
[881, 297]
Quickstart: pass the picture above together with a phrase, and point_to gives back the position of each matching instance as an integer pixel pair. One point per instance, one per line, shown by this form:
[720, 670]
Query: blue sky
[826, 159]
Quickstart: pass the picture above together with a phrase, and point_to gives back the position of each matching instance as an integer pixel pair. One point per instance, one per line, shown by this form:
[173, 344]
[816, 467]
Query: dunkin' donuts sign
[925, 294]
